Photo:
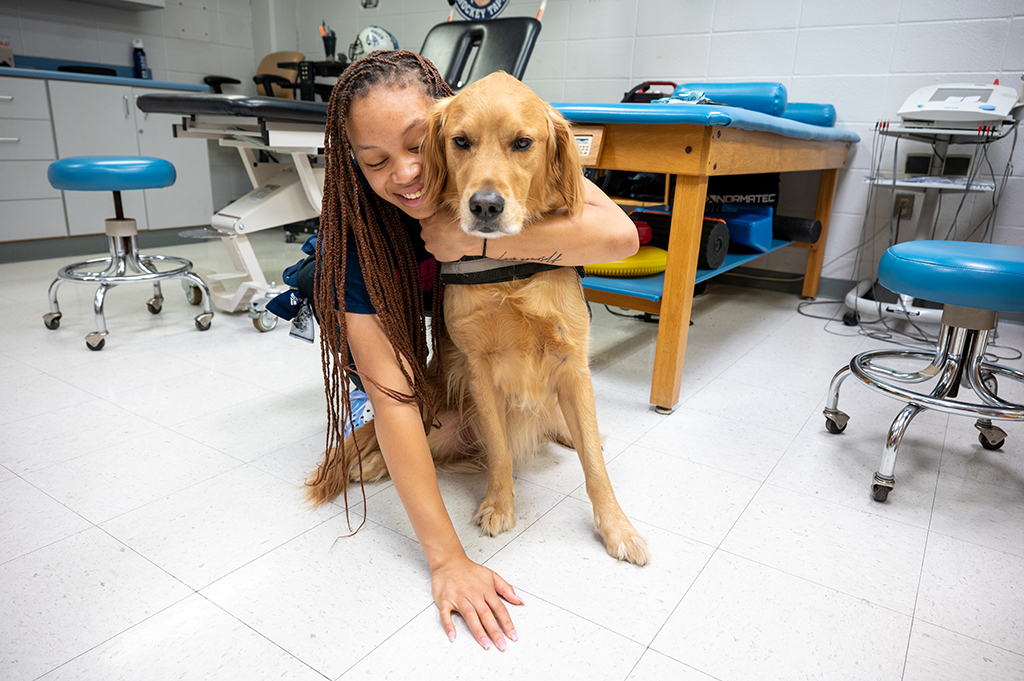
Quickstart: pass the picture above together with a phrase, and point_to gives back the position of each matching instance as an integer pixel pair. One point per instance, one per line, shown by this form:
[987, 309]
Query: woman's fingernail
[485, 643]
[451, 637]
[513, 635]
[501, 644]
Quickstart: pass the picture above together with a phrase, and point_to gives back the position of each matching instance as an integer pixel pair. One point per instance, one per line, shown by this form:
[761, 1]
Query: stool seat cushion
[982, 276]
[110, 173]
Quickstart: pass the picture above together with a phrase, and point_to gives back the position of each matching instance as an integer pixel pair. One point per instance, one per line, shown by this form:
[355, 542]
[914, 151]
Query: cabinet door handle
[126, 112]
[11, 140]
[6, 98]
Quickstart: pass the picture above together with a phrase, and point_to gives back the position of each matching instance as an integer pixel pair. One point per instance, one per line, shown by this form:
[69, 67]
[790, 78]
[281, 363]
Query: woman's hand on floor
[476, 593]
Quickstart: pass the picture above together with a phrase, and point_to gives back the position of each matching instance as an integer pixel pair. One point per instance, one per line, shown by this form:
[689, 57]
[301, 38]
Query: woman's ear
[567, 173]
[433, 154]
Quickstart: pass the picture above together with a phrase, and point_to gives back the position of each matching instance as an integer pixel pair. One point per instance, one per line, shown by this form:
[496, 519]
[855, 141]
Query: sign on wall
[480, 10]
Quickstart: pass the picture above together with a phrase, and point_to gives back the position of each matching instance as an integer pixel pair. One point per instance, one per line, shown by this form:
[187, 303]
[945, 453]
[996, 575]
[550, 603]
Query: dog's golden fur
[515, 354]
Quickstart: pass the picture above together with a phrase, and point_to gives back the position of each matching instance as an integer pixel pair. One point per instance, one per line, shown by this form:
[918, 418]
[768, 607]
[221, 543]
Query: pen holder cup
[330, 43]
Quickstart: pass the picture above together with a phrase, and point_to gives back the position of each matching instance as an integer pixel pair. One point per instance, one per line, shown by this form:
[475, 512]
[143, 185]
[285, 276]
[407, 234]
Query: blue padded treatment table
[703, 115]
[694, 142]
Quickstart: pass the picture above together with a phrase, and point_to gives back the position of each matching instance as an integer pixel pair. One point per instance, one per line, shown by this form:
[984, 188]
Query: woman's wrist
[438, 558]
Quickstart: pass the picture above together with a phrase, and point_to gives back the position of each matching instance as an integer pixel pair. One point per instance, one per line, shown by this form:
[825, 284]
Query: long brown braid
[390, 269]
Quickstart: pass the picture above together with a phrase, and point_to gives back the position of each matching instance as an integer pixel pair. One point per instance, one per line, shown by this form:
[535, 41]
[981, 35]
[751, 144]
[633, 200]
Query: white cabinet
[29, 207]
[189, 201]
[90, 119]
[43, 120]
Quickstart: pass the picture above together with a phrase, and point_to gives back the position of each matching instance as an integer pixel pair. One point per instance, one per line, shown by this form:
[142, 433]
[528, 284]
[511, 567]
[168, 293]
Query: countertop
[109, 80]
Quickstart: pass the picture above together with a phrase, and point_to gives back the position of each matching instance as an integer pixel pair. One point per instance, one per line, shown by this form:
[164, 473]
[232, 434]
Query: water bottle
[139, 60]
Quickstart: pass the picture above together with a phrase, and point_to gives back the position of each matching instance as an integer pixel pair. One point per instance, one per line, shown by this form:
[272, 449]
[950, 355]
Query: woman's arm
[602, 232]
[458, 583]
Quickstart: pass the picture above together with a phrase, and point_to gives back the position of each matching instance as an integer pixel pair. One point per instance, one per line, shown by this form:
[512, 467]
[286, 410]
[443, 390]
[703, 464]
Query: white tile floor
[151, 523]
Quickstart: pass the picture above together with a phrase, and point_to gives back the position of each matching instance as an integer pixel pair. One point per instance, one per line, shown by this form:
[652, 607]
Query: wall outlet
[903, 206]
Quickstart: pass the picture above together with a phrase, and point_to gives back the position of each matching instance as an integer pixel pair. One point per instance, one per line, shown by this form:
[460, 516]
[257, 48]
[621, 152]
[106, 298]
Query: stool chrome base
[958, 361]
[126, 266]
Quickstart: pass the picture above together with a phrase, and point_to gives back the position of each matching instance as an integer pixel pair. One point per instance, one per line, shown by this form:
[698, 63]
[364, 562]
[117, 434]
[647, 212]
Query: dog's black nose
[486, 205]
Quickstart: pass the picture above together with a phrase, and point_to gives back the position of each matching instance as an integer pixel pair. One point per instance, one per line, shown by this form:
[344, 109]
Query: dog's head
[499, 157]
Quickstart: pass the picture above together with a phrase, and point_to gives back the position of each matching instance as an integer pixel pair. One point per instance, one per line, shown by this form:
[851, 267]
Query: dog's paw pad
[493, 522]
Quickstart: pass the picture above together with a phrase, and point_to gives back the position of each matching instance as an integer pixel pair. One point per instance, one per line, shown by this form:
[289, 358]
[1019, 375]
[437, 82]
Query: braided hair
[352, 212]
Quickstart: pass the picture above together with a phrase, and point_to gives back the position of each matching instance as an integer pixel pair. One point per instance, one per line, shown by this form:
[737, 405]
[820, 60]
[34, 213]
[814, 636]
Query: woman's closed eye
[376, 166]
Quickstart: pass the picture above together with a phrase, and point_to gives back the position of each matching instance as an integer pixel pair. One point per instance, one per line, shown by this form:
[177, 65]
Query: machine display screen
[956, 95]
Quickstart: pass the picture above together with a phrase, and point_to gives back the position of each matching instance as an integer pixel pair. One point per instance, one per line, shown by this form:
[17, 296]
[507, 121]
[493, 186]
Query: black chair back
[464, 51]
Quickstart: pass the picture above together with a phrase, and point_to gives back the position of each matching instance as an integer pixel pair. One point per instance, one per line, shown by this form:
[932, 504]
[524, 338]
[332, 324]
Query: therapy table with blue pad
[694, 142]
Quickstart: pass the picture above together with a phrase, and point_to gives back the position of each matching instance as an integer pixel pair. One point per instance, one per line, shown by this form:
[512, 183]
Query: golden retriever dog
[515, 353]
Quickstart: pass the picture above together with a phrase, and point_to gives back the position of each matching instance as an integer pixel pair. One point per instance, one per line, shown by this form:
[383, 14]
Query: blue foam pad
[983, 276]
[748, 226]
[768, 98]
[647, 288]
[811, 114]
[699, 114]
[110, 173]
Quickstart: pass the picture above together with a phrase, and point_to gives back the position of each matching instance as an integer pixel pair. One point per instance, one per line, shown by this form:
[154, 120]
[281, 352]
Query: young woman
[377, 236]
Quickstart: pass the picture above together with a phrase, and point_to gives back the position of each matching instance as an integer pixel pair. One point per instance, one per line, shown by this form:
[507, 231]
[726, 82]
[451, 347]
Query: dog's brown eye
[522, 143]
[461, 142]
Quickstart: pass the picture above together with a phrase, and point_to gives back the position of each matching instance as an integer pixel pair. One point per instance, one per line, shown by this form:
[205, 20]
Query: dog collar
[478, 270]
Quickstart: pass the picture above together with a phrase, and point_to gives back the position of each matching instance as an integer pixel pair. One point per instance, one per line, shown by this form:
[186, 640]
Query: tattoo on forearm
[550, 259]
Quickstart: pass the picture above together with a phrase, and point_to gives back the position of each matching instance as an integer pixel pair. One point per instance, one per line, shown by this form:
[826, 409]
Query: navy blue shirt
[357, 298]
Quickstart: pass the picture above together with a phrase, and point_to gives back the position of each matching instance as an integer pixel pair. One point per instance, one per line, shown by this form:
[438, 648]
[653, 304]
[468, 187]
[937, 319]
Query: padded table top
[267, 108]
[274, 108]
[699, 114]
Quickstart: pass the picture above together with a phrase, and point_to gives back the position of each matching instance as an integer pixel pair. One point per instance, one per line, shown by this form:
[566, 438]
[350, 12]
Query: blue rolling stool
[117, 174]
[973, 281]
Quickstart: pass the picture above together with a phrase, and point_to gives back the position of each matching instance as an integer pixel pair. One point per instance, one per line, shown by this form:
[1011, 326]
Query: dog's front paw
[622, 541]
[494, 518]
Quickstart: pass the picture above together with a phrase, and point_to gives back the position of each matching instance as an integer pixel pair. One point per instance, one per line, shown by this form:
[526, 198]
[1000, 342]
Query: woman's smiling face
[385, 128]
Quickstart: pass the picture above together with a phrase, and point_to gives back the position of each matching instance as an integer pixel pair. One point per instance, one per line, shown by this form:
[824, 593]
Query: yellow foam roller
[647, 261]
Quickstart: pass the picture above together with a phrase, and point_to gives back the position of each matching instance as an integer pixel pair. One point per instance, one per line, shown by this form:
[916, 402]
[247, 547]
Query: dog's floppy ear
[433, 154]
[567, 173]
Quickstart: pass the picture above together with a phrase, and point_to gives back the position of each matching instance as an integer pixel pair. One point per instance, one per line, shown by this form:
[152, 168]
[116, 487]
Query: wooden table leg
[677, 296]
[816, 253]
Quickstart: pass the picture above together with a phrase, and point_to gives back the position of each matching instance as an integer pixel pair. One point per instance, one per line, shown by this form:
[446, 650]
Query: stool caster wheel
[265, 321]
[990, 436]
[193, 294]
[154, 305]
[991, 446]
[96, 340]
[831, 427]
[290, 238]
[52, 320]
[204, 321]
[851, 319]
[880, 487]
[835, 421]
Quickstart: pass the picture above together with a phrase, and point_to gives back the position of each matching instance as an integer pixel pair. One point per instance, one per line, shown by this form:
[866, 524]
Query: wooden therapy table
[694, 142]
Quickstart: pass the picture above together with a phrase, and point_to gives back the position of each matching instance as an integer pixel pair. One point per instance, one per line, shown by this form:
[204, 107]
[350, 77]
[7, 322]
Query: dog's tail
[342, 464]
